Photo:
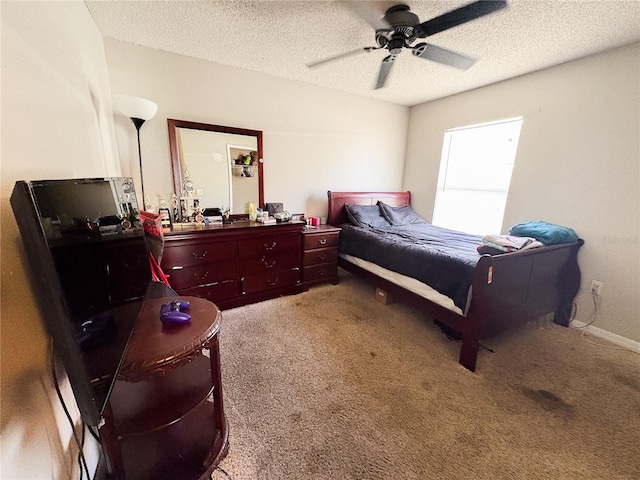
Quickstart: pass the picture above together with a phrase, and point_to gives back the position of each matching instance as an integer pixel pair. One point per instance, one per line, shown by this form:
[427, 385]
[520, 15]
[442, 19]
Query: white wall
[578, 164]
[314, 139]
[56, 123]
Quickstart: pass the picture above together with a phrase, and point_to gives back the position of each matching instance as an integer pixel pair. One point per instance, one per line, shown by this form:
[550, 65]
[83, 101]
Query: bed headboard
[337, 215]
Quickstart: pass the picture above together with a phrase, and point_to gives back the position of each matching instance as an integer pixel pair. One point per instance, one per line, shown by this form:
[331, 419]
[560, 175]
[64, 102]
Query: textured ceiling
[281, 37]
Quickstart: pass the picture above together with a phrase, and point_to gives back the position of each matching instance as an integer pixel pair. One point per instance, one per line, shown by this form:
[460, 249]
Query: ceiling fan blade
[339, 57]
[442, 55]
[385, 68]
[458, 17]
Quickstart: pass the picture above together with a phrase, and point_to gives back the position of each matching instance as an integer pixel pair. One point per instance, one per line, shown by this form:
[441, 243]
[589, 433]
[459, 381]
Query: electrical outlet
[596, 287]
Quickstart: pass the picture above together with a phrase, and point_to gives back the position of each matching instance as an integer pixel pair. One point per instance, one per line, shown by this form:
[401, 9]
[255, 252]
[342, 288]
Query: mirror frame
[175, 158]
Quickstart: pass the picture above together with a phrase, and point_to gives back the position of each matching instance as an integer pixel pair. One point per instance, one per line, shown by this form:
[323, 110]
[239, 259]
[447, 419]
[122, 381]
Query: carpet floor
[331, 384]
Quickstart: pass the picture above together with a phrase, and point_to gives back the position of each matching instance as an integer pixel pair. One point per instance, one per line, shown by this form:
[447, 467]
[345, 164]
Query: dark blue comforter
[443, 259]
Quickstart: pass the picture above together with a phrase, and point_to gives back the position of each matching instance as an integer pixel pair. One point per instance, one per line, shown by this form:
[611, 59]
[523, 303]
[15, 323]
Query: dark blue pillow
[403, 215]
[366, 216]
[545, 232]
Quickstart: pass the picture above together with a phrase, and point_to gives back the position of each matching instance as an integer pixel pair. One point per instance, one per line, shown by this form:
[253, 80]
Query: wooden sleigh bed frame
[508, 290]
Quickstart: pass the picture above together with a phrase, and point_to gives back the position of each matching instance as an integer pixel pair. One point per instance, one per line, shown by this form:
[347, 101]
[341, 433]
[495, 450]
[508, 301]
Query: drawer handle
[272, 283]
[201, 277]
[322, 241]
[270, 247]
[322, 256]
[268, 264]
[322, 273]
[215, 284]
[198, 255]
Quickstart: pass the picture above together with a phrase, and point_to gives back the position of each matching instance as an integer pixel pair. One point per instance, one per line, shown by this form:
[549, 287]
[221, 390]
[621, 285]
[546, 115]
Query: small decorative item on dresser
[274, 208]
[320, 255]
[165, 216]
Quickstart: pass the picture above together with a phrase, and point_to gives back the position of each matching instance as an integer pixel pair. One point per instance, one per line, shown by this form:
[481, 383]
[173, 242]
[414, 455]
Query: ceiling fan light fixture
[396, 44]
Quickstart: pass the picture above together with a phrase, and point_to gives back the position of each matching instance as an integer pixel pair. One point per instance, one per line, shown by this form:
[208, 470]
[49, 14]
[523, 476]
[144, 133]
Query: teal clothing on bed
[545, 232]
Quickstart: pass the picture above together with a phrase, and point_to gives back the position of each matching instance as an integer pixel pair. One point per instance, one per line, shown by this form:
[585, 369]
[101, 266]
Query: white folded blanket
[510, 243]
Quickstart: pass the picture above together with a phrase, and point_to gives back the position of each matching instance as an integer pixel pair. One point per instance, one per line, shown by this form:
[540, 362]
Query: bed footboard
[511, 289]
[507, 291]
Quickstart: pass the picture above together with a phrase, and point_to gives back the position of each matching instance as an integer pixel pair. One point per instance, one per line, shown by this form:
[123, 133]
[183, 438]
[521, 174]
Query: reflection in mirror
[215, 167]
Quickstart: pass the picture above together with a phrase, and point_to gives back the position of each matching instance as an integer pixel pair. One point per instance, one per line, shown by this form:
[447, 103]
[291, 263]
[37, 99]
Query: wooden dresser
[320, 255]
[234, 264]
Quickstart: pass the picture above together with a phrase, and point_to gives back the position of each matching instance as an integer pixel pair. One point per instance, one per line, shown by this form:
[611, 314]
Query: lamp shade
[136, 107]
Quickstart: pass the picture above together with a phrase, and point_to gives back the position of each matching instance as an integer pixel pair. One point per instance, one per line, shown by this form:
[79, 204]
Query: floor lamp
[139, 110]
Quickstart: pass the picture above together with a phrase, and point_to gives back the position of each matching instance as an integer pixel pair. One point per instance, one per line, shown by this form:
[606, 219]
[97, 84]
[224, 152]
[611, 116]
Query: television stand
[165, 416]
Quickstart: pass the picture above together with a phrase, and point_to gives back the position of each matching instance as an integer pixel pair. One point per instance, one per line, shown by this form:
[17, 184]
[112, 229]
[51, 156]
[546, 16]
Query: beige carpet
[330, 384]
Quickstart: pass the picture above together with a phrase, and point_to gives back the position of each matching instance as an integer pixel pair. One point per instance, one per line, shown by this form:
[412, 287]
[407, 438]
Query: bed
[495, 293]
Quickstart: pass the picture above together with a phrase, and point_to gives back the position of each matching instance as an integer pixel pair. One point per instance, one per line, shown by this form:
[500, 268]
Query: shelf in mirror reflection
[245, 171]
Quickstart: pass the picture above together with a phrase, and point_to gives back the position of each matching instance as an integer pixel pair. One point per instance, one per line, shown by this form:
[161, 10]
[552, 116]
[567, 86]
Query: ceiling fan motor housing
[400, 34]
[401, 16]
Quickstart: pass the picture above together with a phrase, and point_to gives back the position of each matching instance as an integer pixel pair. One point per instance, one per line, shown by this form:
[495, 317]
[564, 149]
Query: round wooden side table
[165, 416]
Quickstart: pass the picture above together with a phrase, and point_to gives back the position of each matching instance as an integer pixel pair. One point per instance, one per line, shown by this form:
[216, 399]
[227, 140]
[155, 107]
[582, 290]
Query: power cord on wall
[594, 315]
[81, 449]
[584, 334]
[82, 461]
[220, 469]
[93, 434]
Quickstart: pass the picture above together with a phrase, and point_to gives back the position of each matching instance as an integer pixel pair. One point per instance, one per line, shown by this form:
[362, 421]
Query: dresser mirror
[215, 167]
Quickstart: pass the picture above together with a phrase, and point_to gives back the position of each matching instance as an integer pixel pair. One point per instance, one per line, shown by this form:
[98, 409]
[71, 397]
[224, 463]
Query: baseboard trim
[612, 337]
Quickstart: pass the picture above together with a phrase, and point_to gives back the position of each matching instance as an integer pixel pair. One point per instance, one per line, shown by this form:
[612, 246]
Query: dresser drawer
[321, 240]
[197, 254]
[320, 255]
[268, 281]
[215, 292]
[269, 244]
[269, 262]
[186, 277]
[318, 272]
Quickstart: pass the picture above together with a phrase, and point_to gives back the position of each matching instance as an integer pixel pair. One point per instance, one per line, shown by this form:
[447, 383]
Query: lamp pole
[139, 110]
[138, 122]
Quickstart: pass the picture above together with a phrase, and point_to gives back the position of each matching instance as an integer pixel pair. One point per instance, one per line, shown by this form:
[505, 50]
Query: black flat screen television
[90, 272]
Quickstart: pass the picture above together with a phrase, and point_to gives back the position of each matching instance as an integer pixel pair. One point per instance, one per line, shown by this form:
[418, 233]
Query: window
[474, 177]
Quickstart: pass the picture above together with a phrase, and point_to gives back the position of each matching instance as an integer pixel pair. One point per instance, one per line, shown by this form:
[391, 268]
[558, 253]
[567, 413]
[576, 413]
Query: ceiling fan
[399, 28]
